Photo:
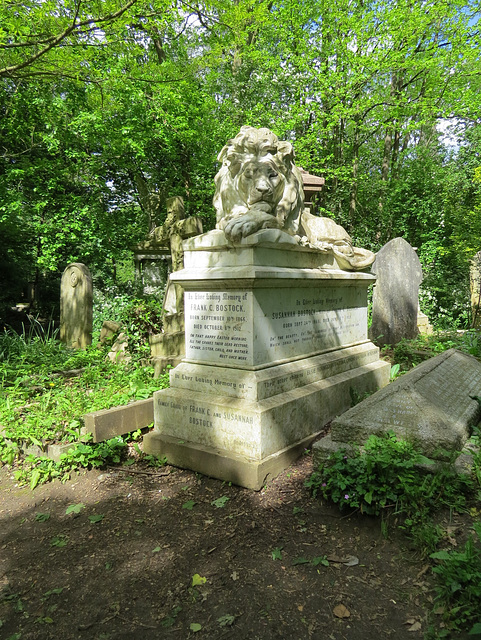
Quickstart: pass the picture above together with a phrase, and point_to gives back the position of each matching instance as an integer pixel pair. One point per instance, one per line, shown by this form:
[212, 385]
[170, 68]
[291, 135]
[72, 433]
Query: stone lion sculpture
[258, 185]
[327, 236]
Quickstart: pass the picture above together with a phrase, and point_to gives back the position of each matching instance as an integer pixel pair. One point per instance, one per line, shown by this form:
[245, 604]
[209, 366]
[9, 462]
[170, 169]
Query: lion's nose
[262, 187]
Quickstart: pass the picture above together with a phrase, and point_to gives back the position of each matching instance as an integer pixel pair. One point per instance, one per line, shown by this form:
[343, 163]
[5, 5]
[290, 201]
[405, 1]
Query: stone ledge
[221, 464]
[108, 423]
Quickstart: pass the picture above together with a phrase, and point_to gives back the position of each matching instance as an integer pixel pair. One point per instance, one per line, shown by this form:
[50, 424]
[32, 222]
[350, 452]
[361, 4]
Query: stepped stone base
[261, 420]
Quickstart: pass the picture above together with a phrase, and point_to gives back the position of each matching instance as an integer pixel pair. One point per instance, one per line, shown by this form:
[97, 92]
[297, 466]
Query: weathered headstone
[76, 303]
[395, 298]
[475, 282]
[152, 266]
[275, 332]
[430, 406]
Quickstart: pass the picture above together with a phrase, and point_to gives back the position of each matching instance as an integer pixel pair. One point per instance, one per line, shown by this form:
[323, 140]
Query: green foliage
[98, 100]
[220, 502]
[139, 318]
[74, 508]
[35, 470]
[276, 553]
[47, 389]
[226, 621]
[458, 588]
[372, 479]
[388, 474]
[409, 353]
[198, 580]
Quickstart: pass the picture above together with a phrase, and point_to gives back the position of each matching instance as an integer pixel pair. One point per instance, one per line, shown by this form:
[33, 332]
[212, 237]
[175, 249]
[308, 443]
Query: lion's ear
[285, 151]
[233, 161]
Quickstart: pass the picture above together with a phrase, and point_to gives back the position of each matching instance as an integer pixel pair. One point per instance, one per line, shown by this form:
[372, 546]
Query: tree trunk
[353, 190]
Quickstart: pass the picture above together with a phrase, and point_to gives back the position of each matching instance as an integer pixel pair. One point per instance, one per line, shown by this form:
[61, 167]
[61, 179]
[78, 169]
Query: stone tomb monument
[431, 406]
[395, 299]
[76, 304]
[276, 332]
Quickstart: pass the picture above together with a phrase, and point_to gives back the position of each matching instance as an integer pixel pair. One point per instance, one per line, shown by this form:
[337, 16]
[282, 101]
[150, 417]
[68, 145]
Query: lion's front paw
[241, 227]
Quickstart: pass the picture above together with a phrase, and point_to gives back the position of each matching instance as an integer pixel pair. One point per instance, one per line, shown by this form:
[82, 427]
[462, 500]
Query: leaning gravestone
[395, 298]
[275, 330]
[76, 302]
[430, 406]
[475, 282]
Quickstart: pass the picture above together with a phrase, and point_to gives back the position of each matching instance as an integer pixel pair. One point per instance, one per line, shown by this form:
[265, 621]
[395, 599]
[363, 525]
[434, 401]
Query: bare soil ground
[130, 574]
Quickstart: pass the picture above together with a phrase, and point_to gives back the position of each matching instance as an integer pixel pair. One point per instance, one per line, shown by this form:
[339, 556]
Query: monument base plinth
[246, 441]
[222, 464]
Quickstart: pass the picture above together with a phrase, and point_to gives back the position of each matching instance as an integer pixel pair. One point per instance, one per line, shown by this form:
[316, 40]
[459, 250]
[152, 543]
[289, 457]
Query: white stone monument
[276, 332]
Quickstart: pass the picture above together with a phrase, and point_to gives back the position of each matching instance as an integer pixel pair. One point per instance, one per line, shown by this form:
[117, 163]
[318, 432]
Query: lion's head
[258, 185]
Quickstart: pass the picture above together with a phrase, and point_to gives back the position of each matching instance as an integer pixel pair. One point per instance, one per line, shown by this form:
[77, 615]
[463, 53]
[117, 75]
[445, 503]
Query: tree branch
[56, 40]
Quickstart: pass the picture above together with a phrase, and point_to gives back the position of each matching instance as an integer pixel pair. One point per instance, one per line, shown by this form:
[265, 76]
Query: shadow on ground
[129, 575]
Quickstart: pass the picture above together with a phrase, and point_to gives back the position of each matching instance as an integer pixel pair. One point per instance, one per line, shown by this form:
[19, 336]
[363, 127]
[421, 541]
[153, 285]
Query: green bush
[380, 475]
[389, 473]
[46, 388]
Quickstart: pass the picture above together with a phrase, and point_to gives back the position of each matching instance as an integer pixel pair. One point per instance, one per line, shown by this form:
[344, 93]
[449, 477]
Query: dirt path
[130, 574]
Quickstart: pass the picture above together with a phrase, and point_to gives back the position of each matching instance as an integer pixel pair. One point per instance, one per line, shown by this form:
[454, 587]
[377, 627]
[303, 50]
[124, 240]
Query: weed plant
[389, 473]
[458, 587]
[388, 476]
[408, 353]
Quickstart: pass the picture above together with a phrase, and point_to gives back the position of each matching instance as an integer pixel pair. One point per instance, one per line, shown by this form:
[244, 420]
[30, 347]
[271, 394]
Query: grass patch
[46, 388]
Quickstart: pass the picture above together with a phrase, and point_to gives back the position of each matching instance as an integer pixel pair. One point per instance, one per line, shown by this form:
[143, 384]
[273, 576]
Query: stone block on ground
[119, 353]
[109, 330]
[117, 421]
[424, 326]
[430, 406]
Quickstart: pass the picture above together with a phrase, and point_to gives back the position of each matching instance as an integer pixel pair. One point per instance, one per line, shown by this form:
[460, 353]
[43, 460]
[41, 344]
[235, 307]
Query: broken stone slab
[109, 330]
[430, 406]
[51, 451]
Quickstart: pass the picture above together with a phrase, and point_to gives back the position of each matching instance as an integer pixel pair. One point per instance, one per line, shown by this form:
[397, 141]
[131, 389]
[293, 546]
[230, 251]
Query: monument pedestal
[273, 351]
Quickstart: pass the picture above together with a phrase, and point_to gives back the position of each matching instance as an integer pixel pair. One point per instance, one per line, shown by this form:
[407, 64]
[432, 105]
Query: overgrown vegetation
[46, 388]
[408, 353]
[458, 588]
[388, 477]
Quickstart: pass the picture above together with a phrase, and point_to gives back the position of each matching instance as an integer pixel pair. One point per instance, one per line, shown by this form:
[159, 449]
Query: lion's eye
[273, 174]
[248, 174]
